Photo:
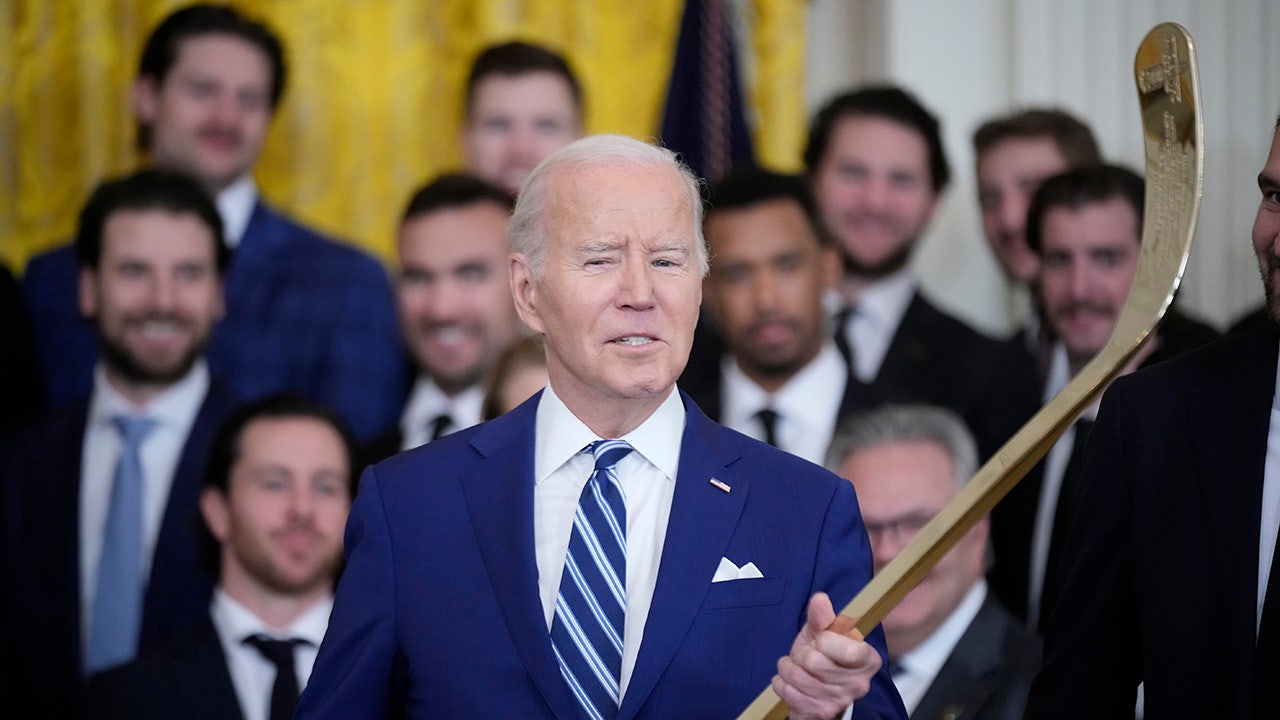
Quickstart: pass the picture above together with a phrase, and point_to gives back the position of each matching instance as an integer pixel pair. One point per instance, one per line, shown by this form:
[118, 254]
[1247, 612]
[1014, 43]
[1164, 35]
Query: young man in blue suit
[275, 500]
[304, 313]
[495, 573]
[1169, 578]
[98, 551]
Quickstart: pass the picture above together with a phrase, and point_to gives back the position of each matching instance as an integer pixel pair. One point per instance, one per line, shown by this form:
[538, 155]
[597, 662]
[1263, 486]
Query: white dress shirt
[1270, 527]
[648, 477]
[253, 675]
[174, 411]
[877, 314]
[918, 668]
[1055, 466]
[808, 405]
[428, 402]
[235, 207]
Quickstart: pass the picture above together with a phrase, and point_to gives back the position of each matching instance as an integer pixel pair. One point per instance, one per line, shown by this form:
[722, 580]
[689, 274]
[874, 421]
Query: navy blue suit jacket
[1160, 565]
[40, 611]
[183, 681]
[438, 613]
[304, 314]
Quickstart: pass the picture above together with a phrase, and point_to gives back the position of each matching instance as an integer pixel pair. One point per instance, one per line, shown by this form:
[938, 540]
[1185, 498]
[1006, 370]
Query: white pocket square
[728, 571]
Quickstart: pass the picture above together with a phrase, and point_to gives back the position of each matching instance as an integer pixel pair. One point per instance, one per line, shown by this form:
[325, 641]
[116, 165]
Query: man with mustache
[454, 300]
[275, 501]
[877, 168]
[1170, 576]
[783, 380]
[99, 558]
[304, 313]
[1085, 226]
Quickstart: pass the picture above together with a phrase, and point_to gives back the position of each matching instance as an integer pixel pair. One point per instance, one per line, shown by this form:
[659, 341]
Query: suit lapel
[909, 351]
[1231, 457]
[702, 521]
[965, 679]
[499, 496]
[204, 682]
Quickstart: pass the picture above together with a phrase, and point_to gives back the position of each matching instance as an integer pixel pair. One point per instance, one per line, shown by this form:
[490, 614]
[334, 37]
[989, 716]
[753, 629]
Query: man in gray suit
[954, 651]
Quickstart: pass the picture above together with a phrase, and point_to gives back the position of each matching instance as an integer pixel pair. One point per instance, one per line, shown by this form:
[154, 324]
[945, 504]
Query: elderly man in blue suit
[604, 550]
[304, 313]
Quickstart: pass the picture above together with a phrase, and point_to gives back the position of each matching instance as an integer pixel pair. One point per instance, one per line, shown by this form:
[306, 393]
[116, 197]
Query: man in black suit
[877, 168]
[782, 380]
[1169, 565]
[954, 650]
[99, 553]
[454, 301]
[1169, 560]
[1086, 227]
[275, 503]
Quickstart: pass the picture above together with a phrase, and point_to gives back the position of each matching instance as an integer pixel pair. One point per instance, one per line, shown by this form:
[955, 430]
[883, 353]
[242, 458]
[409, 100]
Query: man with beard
[304, 313]
[955, 650]
[1169, 576]
[99, 559]
[275, 502]
[523, 103]
[876, 165]
[1086, 228]
[783, 380]
[456, 311]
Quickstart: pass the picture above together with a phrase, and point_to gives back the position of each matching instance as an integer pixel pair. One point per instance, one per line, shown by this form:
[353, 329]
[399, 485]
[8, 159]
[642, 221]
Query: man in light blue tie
[604, 550]
[99, 498]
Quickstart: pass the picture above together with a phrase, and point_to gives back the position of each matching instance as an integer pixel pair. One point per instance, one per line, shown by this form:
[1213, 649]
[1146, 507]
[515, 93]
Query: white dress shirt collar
[252, 675]
[174, 407]
[427, 402]
[918, 668]
[808, 404]
[235, 207]
[560, 435]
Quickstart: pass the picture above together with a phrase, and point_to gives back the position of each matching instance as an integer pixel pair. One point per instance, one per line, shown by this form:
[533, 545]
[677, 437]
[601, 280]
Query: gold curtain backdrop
[373, 103]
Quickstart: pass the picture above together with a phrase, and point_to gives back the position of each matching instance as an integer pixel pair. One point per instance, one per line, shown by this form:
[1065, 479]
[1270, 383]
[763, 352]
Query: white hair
[527, 228]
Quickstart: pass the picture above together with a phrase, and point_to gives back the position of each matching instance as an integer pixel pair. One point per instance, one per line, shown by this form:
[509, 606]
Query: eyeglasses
[903, 527]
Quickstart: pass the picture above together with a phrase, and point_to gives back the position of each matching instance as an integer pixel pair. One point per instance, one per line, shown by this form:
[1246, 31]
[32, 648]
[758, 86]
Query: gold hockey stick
[1172, 123]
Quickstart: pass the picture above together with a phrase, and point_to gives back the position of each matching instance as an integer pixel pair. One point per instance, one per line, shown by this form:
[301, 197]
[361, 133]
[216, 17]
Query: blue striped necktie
[591, 607]
[117, 604]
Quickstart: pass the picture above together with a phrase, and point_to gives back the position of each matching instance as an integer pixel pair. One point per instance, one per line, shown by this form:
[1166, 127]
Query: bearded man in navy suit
[465, 560]
[72, 491]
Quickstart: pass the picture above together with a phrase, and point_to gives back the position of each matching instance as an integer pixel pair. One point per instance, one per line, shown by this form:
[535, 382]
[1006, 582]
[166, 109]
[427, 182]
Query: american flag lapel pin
[720, 484]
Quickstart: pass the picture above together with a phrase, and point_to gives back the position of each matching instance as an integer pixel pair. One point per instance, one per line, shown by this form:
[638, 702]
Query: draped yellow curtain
[373, 103]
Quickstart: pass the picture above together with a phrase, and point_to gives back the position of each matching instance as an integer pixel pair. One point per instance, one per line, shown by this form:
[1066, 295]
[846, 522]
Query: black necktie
[842, 337]
[1063, 514]
[769, 419]
[284, 693]
[1266, 655]
[439, 425]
